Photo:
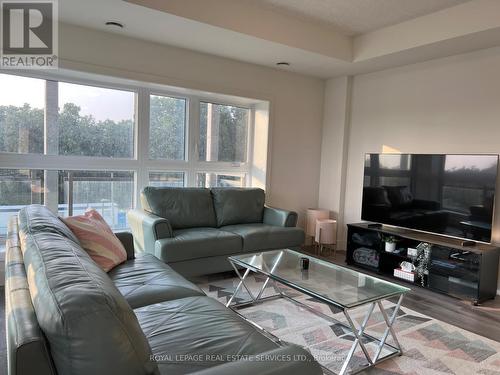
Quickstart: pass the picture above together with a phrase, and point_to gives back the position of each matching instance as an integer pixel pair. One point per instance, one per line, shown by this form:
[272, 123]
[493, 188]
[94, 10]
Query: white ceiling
[161, 27]
[354, 17]
[248, 31]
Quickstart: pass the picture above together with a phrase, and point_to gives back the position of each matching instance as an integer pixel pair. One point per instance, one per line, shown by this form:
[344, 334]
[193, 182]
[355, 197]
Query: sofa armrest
[147, 228]
[127, 241]
[27, 349]
[286, 360]
[279, 217]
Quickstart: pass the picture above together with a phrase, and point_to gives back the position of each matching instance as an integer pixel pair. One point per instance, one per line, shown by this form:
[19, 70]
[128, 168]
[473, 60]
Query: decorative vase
[390, 247]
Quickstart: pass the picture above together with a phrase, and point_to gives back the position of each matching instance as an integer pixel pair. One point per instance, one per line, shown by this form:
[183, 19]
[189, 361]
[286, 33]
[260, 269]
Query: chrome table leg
[358, 334]
[389, 322]
[241, 283]
[268, 278]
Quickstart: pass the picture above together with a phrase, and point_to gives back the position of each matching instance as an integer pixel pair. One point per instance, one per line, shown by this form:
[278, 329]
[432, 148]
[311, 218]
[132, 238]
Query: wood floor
[483, 320]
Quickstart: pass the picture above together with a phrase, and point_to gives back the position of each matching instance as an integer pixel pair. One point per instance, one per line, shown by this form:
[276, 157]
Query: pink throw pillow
[97, 239]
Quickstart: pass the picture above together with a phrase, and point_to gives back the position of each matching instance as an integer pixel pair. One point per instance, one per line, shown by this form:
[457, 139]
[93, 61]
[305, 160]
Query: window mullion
[193, 134]
[51, 144]
[250, 146]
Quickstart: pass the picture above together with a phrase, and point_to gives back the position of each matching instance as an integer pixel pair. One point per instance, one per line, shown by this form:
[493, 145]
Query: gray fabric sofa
[194, 230]
[65, 315]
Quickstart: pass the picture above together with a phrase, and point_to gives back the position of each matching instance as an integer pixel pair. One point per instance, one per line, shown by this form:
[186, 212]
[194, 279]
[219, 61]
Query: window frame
[249, 133]
[243, 175]
[169, 171]
[101, 85]
[140, 164]
[186, 122]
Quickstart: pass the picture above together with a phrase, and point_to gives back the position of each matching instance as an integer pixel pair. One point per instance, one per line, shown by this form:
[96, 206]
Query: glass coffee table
[331, 284]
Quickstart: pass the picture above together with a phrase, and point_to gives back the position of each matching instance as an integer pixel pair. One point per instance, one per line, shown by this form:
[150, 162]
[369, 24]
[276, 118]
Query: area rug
[430, 346]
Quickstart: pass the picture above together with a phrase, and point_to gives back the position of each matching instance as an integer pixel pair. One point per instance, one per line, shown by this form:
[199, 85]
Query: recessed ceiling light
[283, 63]
[114, 24]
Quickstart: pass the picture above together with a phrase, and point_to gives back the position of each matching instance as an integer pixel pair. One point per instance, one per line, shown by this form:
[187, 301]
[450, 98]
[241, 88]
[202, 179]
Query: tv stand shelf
[466, 272]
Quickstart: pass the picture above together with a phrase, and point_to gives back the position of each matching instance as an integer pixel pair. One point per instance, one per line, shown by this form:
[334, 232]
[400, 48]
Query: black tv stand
[452, 266]
[374, 225]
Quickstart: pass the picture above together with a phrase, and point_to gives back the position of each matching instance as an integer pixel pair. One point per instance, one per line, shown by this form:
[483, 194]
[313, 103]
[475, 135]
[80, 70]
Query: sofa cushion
[198, 326]
[197, 243]
[89, 326]
[182, 207]
[238, 205]
[97, 239]
[263, 237]
[146, 280]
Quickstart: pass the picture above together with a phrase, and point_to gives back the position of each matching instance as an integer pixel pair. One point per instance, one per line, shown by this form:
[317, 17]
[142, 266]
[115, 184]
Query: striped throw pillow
[97, 239]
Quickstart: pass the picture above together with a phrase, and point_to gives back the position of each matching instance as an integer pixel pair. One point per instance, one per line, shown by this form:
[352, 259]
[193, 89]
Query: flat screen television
[452, 195]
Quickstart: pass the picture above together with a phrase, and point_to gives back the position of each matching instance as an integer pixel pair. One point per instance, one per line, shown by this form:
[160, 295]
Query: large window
[78, 119]
[22, 105]
[204, 179]
[109, 192]
[71, 144]
[168, 179]
[95, 121]
[167, 119]
[223, 133]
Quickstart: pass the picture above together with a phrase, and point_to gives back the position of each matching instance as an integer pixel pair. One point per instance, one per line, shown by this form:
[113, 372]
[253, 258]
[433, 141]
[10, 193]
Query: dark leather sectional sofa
[65, 315]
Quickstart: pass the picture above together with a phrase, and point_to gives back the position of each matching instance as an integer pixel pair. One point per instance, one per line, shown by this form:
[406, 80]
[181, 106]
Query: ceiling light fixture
[283, 63]
[114, 24]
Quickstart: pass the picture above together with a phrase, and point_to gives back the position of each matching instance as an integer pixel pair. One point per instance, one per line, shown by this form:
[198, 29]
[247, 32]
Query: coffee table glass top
[331, 283]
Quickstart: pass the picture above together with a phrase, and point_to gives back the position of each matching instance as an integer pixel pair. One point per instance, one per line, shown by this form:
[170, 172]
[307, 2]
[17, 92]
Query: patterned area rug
[430, 346]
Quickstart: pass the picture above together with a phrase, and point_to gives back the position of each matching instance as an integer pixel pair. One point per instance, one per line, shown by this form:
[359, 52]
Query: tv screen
[452, 195]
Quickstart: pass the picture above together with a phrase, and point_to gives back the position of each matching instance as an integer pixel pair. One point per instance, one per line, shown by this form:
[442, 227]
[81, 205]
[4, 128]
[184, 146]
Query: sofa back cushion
[89, 326]
[238, 205]
[182, 207]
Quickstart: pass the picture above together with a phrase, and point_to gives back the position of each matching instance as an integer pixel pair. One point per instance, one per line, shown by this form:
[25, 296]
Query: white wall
[449, 105]
[296, 101]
